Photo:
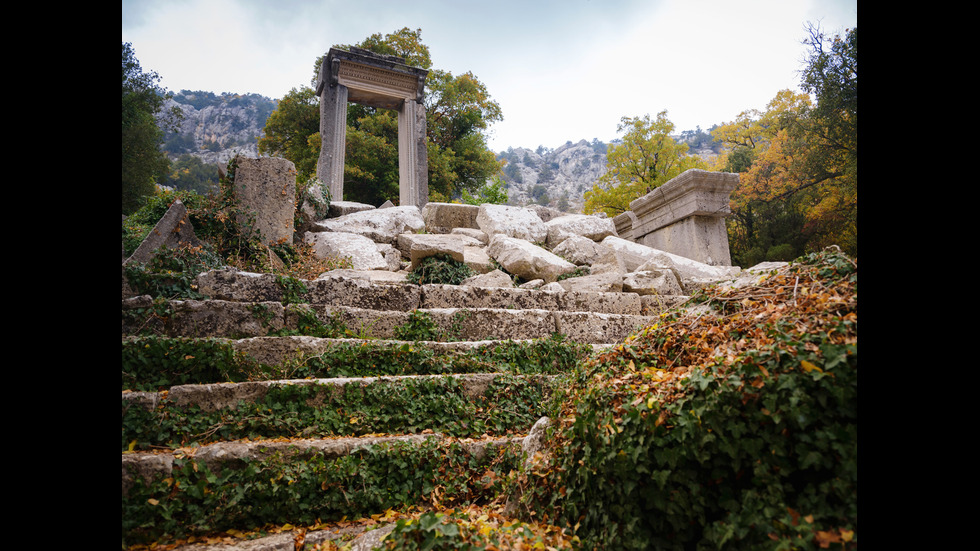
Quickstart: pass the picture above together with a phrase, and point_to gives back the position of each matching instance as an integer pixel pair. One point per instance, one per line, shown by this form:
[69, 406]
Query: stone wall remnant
[685, 216]
[266, 189]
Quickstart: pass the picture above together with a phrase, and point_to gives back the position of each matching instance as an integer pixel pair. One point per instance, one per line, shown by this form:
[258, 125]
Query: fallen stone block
[527, 260]
[511, 221]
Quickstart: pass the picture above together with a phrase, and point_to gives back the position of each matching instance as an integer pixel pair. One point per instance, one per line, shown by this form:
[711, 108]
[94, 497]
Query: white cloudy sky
[560, 69]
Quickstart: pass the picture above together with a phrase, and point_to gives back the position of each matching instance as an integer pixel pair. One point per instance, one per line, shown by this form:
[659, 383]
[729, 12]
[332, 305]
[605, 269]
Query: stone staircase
[411, 396]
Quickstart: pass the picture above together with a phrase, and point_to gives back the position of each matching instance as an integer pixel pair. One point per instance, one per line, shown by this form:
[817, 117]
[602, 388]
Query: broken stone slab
[342, 208]
[591, 227]
[527, 260]
[689, 272]
[511, 221]
[494, 278]
[477, 259]
[315, 207]
[380, 277]
[578, 250]
[266, 189]
[477, 234]
[444, 217]
[652, 282]
[173, 230]
[382, 225]
[392, 256]
[361, 250]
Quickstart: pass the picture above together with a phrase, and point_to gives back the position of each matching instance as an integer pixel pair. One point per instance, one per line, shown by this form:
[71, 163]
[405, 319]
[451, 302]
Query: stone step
[232, 285]
[464, 406]
[243, 486]
[233, 319]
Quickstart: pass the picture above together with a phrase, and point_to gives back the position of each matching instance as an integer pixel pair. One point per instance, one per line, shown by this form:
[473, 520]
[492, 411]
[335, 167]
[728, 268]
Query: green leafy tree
[143, 161]
[293, 131]
[798, 161]
[189, 172]
[646, 159]
[494, 192]
[459, 111]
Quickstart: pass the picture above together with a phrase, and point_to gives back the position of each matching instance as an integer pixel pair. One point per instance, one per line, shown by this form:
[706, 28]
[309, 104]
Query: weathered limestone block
[607, 303]
[343, 208]
[685, 216]
[578, 250]
[608, 282]
[145, 466]
[444, 217]
[379, 225]
[477, 234]
[624, 224]
[172, 230]
[374, 276]
[235, 285]
[361, 293]
[217, 318]
[362, 251]
[494, 278]
[485, 323]
[392, 256]
[375, 324]
[687, 270]
[592, 227]
[477, 259]
[420, 246]
[652, 282]
[527, 260]
[468, 296]
[266, 187]
[591, 327]
[511, 221]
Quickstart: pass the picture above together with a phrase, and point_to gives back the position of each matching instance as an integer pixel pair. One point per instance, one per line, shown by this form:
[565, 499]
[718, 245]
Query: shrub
[439, 269]
[732, 430]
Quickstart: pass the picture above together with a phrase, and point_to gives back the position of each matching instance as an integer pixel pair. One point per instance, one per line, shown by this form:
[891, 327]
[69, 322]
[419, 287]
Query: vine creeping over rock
[733, 428]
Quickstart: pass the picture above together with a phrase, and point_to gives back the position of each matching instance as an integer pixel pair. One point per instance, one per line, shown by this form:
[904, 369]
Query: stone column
[333, 132]
[413, 183]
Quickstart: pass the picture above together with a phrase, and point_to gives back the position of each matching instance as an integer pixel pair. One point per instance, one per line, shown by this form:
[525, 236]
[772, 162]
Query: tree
[293, 131]
[798, 161]
[143, 162]
[646, 159]
[459, 111]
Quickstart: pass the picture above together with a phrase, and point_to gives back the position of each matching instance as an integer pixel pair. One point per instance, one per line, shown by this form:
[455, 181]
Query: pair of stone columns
[379, 81]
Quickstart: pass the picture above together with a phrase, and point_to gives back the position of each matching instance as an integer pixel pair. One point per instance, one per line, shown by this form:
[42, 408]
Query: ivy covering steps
[272, 401]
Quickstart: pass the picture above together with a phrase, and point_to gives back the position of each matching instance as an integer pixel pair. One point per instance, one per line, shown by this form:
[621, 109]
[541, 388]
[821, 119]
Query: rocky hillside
[556, 178]
[216, 127]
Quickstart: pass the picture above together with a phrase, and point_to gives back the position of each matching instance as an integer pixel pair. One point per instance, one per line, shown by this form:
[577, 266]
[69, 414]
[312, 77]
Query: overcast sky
[560, 70]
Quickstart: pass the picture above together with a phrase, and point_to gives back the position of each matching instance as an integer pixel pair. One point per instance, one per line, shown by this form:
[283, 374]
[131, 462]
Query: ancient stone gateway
[375, 80]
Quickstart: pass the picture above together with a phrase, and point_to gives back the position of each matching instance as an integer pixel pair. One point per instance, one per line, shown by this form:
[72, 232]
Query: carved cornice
[372, 78]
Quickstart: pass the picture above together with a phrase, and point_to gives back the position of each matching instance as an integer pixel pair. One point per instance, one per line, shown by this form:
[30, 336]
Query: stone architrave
[686, 216]
[266, 188]
[381, 81]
